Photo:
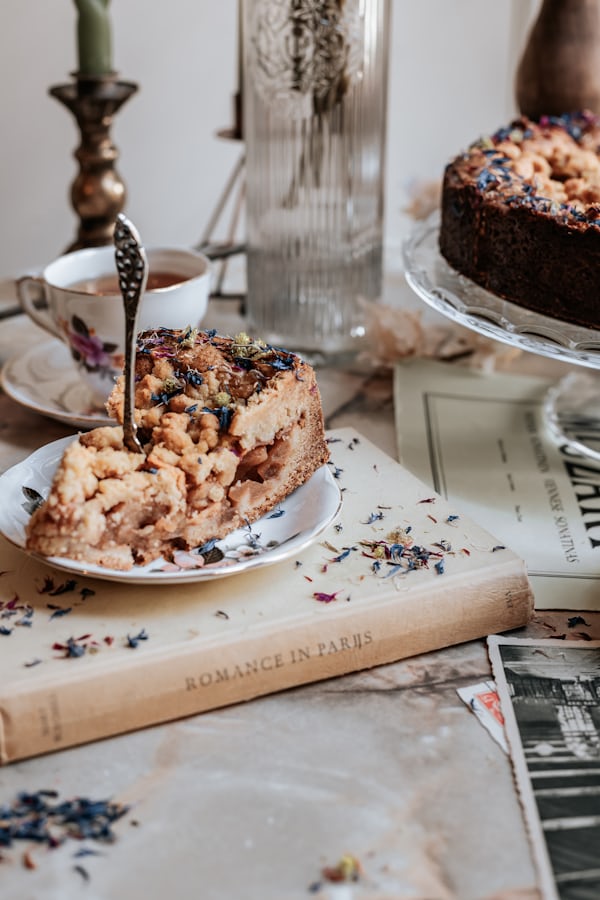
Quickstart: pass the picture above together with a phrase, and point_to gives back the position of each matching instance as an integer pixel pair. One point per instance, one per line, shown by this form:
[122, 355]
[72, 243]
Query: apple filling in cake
[229, 428]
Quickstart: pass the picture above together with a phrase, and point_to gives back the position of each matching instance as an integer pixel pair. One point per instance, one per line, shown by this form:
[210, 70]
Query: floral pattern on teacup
[90, 351]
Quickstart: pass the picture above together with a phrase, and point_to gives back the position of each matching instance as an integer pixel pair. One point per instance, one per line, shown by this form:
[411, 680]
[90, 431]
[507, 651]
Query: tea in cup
[85, 306]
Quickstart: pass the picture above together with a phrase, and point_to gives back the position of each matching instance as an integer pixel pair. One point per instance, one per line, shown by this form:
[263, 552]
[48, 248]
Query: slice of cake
[521, 215]
[229, 428]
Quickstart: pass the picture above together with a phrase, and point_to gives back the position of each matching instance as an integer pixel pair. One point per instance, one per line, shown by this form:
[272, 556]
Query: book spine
[99, 702]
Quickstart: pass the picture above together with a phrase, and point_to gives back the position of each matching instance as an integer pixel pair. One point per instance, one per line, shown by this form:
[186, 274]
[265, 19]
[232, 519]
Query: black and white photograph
[550, 696]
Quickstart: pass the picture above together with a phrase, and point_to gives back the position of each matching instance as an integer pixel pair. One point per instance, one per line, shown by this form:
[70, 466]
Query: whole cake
[521, 215]
[229, 428]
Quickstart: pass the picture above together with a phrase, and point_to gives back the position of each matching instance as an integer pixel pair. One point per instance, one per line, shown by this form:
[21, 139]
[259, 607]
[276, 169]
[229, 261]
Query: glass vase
[315, 96]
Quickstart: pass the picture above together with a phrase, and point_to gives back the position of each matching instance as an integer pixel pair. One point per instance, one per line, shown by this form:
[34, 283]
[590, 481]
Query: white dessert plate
[285, 532]
[44, 379]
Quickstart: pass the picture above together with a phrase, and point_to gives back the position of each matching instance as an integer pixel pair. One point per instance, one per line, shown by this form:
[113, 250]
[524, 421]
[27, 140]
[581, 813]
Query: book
[400, 572]
[481, 440]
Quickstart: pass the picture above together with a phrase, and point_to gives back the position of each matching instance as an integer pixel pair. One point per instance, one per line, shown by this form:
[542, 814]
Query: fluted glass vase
[315, 94]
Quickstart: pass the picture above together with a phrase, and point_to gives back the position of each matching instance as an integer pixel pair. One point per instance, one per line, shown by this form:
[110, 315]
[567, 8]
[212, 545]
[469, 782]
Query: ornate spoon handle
[132, 267]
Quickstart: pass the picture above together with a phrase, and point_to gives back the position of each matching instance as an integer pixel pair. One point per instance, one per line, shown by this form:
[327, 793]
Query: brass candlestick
[98, 192]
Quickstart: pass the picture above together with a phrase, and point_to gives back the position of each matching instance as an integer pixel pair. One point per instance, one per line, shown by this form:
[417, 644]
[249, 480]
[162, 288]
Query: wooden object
[559, 71]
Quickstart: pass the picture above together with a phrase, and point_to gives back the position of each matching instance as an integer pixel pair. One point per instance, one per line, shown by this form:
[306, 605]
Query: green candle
[94, 42]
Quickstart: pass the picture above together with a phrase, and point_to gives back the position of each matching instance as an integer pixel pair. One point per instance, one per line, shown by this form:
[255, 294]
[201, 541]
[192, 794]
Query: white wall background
[451, 79]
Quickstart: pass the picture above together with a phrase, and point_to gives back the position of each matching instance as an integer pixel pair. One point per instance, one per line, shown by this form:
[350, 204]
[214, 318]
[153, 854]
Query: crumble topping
[552, 166]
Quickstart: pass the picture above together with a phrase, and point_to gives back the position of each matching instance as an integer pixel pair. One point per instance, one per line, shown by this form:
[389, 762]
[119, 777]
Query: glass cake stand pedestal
[572, 405]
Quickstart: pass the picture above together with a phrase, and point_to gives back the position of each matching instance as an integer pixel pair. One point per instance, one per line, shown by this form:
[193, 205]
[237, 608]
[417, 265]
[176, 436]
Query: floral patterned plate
[45, 380]
[285, 532]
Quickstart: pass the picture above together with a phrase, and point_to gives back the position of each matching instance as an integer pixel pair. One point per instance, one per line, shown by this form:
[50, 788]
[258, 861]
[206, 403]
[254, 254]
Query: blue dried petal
[61, 612]
[223, 414]
[346, 552]
[485, 179]
[501, 134]
[396, 550]
[244, 362]
[165, 396]
[134, 641]
[208, 546]
[281, 364]
[64, 588]
[193, 377]
[74, 649]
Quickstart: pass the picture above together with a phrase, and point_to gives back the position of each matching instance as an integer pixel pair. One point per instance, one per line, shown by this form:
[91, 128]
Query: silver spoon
[132, 268]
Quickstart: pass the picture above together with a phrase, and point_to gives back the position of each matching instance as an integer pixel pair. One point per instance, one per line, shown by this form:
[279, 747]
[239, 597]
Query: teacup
[85, 307]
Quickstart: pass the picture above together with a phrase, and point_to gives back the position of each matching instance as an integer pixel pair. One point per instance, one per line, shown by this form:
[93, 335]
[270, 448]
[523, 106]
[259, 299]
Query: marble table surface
[254, 800]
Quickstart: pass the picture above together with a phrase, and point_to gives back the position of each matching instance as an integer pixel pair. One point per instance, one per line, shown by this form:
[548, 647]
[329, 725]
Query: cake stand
[572, 406]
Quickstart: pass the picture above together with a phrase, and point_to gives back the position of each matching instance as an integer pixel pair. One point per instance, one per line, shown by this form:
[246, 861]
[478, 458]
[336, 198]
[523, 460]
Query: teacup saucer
[45, 380]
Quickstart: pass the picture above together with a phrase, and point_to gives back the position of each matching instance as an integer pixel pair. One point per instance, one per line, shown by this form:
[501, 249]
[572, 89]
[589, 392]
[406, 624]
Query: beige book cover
[482, 441]
[401, 571]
